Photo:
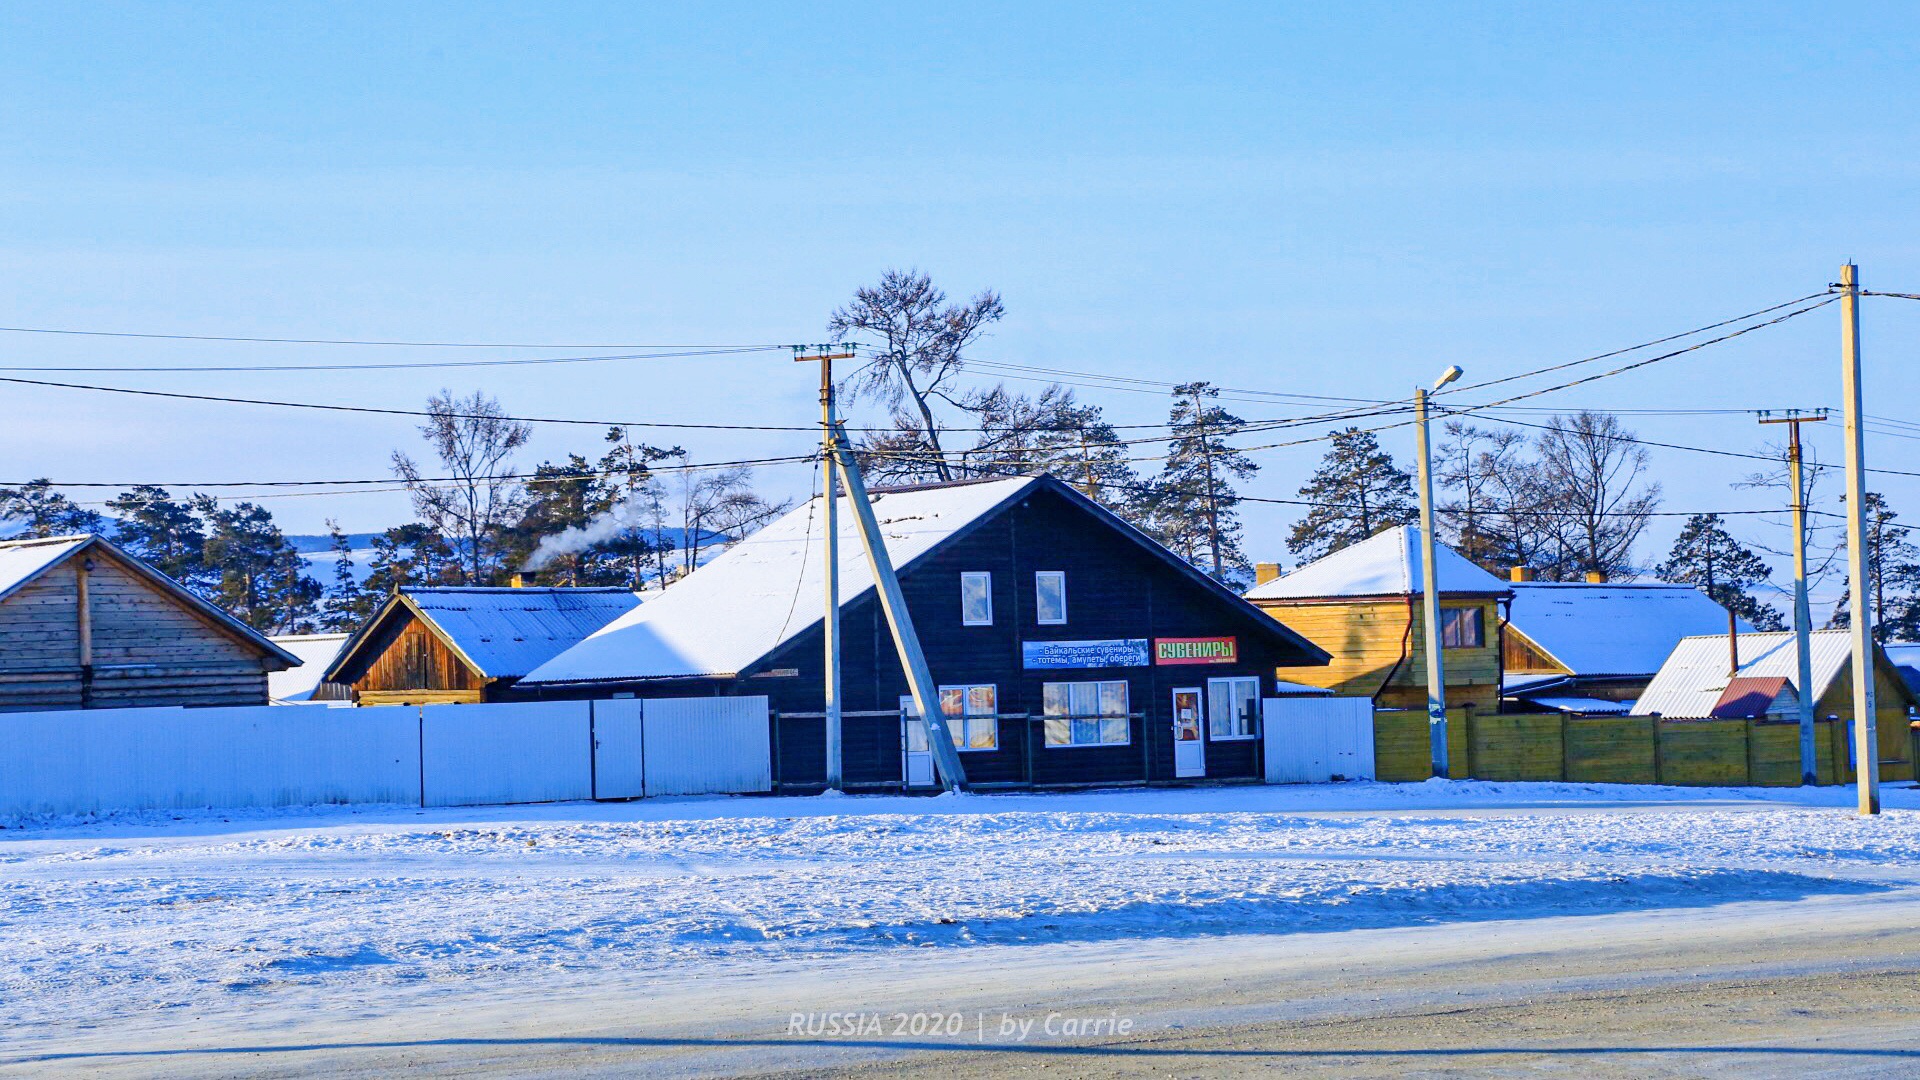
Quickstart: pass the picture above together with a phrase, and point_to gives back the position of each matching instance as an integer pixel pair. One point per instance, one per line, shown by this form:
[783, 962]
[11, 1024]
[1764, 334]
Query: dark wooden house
[448, 645]
[1069, 648]
[84, 625]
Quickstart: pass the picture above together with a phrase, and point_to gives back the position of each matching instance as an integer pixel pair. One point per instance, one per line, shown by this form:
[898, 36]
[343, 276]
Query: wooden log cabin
[1362, 604]
[455, 644]
[84, 625]
[1068, 648]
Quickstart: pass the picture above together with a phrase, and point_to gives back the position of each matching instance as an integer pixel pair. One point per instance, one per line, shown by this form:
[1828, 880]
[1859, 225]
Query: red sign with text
[1196, 650]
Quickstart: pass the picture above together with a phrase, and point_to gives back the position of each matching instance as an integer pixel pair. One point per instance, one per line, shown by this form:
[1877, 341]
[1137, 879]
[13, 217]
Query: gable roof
[765, 591]
[22, 561]
[316, 653]
[1385, 564]
[1610, 629]
[1694, 677]
[1750, 697]
[499, 632]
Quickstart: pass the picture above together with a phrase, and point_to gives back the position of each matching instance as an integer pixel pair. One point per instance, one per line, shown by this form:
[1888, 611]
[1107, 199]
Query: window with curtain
[972, 714]
[1086, 713]
[1463, 628]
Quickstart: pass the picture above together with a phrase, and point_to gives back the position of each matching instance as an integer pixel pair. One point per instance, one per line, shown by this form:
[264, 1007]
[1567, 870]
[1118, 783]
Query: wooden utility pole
[1213, 507]
[1802, 612]
[906, 641]
[1866, 751]
[830, 529]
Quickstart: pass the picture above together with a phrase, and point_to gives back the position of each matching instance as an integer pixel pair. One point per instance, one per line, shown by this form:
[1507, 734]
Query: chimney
[1521, 573]
[1264, 572]
[518, 581]
[1596, 577]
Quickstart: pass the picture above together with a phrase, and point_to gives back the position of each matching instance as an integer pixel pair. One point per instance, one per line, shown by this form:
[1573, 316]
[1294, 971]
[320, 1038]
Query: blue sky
[1325, 199]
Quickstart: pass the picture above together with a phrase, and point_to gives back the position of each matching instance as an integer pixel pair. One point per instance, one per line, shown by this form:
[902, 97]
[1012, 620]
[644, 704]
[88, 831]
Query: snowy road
[153, 933]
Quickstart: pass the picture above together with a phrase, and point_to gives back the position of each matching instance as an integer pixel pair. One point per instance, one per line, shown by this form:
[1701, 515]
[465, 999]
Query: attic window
[976, 598]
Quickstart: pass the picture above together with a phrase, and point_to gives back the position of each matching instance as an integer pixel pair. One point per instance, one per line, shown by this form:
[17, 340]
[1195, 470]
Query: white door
[916, 754]
[619, 743]
[1189, 744]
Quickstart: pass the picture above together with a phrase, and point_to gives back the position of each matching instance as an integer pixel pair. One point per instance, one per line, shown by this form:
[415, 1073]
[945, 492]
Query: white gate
[1312, 740]
[619, 749]
[518, 752]
[710, 745]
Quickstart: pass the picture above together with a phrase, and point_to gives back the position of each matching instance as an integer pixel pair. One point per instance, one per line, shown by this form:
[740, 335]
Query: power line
[356, 341]
[401, 366]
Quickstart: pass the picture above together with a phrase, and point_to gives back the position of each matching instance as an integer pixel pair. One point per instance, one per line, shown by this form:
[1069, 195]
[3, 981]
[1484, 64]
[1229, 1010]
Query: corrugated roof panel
[509, 632]
[1690, 683]
[1627, 629]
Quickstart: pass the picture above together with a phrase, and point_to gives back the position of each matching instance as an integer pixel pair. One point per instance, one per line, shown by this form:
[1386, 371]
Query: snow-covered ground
[133, 917]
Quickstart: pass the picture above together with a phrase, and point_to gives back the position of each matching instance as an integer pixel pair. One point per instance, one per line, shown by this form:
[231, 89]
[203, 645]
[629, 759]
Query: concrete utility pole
[1802, 613]
[830, 526]
[1430, 584]
[1213, 506]
[926, 697]
[1866, 745]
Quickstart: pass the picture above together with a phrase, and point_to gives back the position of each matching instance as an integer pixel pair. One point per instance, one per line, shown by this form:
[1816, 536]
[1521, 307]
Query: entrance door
[619, 750]
[916, 753]
[1189, 745]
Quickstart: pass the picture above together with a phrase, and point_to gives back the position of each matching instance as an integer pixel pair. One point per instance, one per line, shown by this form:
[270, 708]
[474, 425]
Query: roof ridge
[35, 541]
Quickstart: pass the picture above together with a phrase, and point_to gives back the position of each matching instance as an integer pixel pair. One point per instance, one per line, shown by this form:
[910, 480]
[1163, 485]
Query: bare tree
[1592, 481]
[1495, 514]
[921, 340]
[474, 441]
[722, 502]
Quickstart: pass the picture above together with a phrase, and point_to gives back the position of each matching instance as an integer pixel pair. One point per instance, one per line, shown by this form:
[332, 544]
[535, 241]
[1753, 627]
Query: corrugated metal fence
[1314, 740]
[88, 761]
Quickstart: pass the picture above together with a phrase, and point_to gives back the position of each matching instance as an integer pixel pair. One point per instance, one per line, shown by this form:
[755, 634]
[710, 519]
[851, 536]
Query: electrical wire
[356, 341]
[398, 365]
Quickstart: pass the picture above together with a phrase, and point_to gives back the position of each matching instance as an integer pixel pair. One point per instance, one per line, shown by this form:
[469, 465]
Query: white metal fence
[84, 761]
[1312, 740]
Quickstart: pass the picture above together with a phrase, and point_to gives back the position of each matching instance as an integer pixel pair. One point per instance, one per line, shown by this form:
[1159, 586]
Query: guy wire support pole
[1866, 740]
[830, 528]
[926, 698]
[1802, 612]
[1430, 598]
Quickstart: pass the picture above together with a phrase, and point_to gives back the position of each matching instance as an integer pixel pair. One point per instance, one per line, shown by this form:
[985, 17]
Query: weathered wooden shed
[1362, 605]
[84, 625]
[456, 644]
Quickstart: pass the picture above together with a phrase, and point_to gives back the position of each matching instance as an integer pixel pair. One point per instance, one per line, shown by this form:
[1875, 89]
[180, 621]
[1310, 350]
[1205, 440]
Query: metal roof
[1694, 677]
[1612, 629]
[1386, 564]
[507, 632]
[316, 653]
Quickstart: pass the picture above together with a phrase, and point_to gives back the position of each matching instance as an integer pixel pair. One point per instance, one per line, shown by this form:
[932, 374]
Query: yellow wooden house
[1362, 604]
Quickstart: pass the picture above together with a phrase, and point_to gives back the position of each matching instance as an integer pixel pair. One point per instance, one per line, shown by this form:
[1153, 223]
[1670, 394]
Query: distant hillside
[306, 543]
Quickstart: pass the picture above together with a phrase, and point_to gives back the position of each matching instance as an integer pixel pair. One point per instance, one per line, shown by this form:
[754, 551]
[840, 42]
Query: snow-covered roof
[1588, 705]
[23, 560]
[1386, 564]
[508, 632]
[1612, 629]
[1694, 677]
[316, 653]
[766, 589]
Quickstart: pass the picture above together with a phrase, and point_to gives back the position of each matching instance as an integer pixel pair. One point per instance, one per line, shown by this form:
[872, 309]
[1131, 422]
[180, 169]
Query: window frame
[967, 720]
[1473, 615]
[1221, 687]
[1101, 717]
[1039, 605]
[986, 577]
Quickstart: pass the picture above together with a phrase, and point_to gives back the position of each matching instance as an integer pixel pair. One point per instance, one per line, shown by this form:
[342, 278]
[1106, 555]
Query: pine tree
[261, 578]
[169, 535]
[1356, 493]
[44, 512]
[1192, 506]
[347, 603]
[409, 555]
[1893, 575]
[1708, 556]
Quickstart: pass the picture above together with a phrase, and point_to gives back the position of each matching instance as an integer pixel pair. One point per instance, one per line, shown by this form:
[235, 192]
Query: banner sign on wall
[1196, 650]
[1114, 652]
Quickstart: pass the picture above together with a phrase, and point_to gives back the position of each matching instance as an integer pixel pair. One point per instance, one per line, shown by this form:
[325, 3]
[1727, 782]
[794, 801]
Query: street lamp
[1430, 583]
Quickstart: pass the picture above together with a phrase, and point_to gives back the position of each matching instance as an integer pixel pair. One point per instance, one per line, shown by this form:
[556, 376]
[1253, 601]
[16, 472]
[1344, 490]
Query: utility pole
[1866, 746]
[830, 528]
[1430, 585]
[1802, 613]
[1213, 507]
[906, 641]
